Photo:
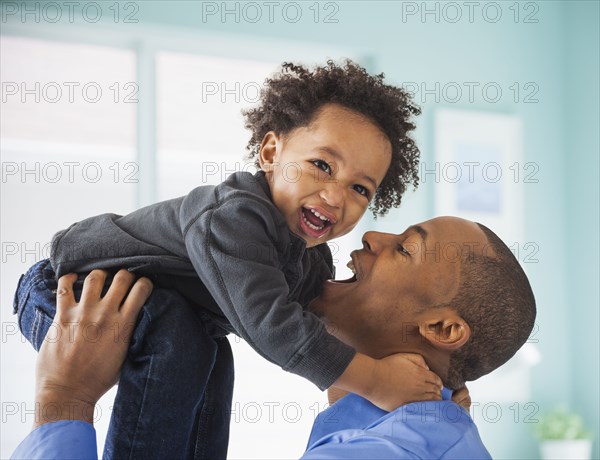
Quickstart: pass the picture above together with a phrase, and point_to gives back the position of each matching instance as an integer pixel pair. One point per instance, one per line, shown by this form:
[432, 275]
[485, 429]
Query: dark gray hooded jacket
[228, 249]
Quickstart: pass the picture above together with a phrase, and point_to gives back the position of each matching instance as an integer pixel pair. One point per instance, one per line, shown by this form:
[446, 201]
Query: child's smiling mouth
[314, 223]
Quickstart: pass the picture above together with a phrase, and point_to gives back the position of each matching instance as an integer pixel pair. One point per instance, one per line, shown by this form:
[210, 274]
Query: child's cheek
[347, 229]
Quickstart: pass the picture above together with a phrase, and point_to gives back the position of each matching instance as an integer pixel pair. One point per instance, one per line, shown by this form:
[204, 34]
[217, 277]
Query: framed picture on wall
[479, 174]
[479, 169]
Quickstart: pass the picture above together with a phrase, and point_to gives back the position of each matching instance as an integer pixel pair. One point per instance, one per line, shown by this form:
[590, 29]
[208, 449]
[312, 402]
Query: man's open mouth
[354, 278]
[348, 281]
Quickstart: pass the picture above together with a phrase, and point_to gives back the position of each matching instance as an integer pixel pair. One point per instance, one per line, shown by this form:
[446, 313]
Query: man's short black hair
[292, 97]
[496, 300]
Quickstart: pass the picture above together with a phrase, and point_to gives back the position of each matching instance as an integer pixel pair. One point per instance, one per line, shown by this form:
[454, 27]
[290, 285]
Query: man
[447, 289]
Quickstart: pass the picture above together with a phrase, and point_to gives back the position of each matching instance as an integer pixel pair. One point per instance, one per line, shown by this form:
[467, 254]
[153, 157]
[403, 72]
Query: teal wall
[581, 152]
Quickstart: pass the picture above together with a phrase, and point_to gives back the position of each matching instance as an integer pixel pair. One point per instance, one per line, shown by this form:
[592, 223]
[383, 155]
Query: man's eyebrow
[340, 159]
[420, 230]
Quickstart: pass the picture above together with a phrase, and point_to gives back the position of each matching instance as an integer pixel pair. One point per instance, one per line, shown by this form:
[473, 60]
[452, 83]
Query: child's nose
[333, 195]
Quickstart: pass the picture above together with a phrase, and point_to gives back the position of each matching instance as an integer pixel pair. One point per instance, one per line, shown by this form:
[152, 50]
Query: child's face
[323, 176]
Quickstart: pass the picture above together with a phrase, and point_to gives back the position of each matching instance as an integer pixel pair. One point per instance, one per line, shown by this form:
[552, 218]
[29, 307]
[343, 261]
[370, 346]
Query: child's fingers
[417, 359]
[429, 376]
[136, 299]
[433, 396]
[64, 292]
[434, 379]
[92, 287]
[118, 289]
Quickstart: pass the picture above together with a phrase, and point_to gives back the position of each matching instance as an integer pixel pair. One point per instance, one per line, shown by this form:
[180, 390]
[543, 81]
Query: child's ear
[268, 151]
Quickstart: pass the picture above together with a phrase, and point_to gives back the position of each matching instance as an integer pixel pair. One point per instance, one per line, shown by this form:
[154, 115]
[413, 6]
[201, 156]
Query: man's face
[323, 176]
[397, 277]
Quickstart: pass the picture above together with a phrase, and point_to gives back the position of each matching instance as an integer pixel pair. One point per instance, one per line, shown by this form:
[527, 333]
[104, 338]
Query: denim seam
[205, 412]
[141, 415]
[21, 306]
[36, 328]
[201, 434]
[27, 289]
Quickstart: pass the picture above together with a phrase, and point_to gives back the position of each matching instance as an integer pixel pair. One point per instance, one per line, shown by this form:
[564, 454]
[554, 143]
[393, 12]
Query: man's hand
[86, 345]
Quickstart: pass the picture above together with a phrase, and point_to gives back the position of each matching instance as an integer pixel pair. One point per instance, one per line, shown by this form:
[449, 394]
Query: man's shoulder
[433, 429]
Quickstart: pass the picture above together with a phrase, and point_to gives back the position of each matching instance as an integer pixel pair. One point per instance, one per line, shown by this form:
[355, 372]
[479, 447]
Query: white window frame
[146, 40]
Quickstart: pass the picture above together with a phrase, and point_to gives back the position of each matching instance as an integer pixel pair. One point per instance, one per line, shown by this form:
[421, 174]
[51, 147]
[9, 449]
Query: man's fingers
[119, 287]
[64, 292]
[136, 299]
[92, 287]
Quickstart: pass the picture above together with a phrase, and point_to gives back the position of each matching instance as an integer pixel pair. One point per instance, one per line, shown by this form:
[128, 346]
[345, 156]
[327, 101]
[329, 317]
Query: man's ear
[268, 151]
[445, 330]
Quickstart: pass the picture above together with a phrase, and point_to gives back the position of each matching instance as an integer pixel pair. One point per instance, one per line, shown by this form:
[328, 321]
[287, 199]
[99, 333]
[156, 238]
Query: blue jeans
[176, 385]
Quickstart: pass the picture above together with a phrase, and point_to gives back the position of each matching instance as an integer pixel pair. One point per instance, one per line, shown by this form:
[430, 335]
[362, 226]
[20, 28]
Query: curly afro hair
[291, 98]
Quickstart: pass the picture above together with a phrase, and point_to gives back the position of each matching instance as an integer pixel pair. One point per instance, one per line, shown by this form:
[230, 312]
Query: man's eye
[402, 250]
[362, 190]
[322, 165]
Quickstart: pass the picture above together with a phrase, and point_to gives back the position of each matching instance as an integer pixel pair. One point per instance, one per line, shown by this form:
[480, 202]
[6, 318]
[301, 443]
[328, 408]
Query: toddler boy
[251, 254]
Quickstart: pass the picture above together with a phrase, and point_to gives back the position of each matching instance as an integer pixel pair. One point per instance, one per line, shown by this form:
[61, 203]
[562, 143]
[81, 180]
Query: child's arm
[236, 249]
[392, 381]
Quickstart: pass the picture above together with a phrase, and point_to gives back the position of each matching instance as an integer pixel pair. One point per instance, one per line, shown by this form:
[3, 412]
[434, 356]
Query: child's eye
[362, 190]
[322, 165]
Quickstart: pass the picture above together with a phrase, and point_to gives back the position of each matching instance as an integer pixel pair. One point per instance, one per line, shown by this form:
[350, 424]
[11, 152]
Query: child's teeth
[319, 215]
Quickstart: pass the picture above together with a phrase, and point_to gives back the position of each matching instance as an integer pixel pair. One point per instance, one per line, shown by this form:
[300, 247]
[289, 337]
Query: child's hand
[403, 378]
[462, 398]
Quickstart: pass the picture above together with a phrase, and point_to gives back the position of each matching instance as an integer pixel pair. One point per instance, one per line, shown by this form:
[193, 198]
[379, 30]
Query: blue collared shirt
[352, 428]
[65, 439]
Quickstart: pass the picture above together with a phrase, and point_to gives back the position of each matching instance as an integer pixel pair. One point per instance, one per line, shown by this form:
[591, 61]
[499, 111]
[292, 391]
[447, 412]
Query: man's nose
[332, 194]
[376, 241]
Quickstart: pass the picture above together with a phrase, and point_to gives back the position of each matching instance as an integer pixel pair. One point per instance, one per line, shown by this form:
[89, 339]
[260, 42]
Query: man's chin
[334, 291]
[334, 294]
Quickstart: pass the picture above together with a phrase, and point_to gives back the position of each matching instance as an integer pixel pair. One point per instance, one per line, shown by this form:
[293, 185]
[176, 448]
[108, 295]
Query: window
[201, 134]
[68, 152]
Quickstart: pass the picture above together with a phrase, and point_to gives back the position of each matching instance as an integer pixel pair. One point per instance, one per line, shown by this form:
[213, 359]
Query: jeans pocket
[39, 328]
